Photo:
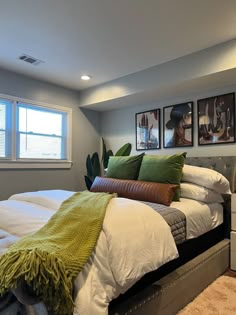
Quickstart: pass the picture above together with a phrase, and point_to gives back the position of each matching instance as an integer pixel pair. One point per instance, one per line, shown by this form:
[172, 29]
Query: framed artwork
[148, 130]
[178, 125]
[216, 119]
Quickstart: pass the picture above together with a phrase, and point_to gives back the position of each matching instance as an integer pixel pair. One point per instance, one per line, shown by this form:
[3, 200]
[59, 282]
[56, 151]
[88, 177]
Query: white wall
[85, 135]
[201, 68]
[118, 126]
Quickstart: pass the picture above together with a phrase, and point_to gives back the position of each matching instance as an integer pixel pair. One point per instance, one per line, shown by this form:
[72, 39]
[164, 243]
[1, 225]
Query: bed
[201, 260]
[142, 297]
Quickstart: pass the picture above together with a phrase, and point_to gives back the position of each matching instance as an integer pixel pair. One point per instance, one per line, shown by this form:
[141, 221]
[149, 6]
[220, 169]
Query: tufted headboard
[225, 165]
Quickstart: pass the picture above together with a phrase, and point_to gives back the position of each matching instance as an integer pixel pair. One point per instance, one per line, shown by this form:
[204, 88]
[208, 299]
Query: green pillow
[163, 169]
[124, 167]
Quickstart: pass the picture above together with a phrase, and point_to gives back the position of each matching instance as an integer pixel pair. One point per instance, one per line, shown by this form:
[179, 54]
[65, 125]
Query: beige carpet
[219, 298]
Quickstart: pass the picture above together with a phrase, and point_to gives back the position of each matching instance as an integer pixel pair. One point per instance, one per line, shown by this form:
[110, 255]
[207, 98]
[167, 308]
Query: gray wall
[197, 70]
[118, 126]
[85, 137]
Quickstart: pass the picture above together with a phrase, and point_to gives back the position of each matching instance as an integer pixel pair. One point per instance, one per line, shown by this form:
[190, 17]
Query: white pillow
[207, 178]
[200, 193]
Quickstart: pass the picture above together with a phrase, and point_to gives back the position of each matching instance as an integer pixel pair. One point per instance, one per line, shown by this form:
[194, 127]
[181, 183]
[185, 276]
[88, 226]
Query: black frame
[147, 123]
[177, 121]
[216, 119]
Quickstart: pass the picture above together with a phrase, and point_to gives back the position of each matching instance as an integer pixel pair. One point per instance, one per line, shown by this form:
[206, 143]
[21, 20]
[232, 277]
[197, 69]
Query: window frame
[7, 130]
[13, 162]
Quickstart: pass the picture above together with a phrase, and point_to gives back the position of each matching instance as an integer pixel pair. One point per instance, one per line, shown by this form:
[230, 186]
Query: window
[34, 134]
[5, 128]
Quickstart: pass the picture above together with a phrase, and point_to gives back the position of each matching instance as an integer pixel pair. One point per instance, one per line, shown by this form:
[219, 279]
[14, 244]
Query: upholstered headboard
[225, 165]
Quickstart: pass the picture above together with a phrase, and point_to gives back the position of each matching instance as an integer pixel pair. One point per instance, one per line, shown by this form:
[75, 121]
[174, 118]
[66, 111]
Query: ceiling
[107, 39]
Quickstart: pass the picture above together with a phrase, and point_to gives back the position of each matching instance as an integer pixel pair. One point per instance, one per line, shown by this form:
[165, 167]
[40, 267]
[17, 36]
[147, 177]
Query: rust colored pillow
[139, 190]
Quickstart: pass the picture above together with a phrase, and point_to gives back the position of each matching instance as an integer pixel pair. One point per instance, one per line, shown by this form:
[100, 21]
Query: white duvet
[200, 217]
[134, 240]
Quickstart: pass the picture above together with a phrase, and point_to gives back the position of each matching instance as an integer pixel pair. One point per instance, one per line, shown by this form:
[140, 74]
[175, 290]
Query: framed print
[148, 130]
[178, 125]
[216, 119]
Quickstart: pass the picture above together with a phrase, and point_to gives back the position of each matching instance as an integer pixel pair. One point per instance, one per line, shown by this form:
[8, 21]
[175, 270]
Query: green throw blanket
[50, 259]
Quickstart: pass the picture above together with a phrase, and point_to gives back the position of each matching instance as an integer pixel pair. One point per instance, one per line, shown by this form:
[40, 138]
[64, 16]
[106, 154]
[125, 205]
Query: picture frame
[178, 125]
[147, 125]
[216, 119]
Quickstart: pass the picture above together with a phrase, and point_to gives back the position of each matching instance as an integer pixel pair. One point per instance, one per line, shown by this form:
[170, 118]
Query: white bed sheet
[94, 293]
[6, 240]
[126, 249]
[200, 217]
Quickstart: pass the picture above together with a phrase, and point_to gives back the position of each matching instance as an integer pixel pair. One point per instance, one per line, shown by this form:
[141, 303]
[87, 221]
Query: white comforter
[134, 240]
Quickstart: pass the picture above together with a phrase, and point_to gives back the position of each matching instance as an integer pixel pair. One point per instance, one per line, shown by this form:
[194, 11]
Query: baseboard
[174, 291]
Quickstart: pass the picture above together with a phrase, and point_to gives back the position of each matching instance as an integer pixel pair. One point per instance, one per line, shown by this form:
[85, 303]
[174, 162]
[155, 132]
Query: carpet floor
[219, 298]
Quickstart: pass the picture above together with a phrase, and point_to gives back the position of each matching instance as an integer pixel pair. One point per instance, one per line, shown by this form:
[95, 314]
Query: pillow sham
[163, 169]
[124, 167]
[137, 190]
[200, 193]
[207, 178]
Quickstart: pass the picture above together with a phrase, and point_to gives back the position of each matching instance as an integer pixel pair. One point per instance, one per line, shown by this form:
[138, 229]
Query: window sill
[35, 165]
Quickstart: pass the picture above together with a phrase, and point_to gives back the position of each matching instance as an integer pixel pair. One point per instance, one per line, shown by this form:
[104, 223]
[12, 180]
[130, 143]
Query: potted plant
[93, 163]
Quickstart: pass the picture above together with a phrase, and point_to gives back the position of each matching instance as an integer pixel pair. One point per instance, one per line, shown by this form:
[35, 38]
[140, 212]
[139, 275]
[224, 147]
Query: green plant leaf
[88, 182]
[104, 149]
[105, 154]
[89, 166]
[105, 161]
[96, 164]
[93, 164]
[124, 150]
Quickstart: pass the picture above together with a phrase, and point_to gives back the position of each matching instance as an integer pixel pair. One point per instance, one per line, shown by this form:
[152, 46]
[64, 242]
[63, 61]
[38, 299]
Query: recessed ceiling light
[86, 77]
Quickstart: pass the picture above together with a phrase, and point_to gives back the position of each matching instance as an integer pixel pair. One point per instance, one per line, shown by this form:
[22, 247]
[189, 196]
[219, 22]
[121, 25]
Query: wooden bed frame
[168, 290]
